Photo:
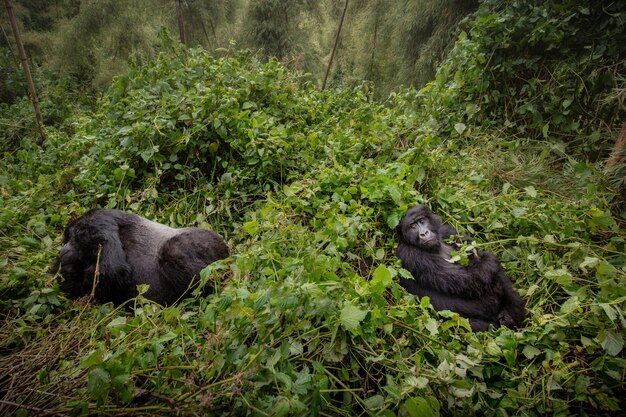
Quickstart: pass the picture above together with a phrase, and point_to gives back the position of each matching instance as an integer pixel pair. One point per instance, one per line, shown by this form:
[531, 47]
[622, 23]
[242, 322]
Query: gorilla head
[421, 228]
[116, 251]
[480, 291]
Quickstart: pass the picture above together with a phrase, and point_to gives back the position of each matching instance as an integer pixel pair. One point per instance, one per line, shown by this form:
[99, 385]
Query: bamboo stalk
[332, 54]
[181, 23]
[26, 69]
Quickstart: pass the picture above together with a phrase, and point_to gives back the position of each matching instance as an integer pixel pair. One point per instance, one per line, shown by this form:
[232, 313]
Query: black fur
[480, 291]
[131, 250]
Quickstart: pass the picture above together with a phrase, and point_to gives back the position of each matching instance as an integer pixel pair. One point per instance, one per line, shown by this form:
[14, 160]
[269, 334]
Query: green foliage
[12, 84]
[231, 127]
[307, 318]
[539, 71]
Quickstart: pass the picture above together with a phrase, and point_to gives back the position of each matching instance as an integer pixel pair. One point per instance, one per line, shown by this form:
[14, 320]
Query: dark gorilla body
[480, 292]
[131, 250]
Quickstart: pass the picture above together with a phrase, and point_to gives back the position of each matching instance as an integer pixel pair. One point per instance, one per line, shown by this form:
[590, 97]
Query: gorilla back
[127, 250]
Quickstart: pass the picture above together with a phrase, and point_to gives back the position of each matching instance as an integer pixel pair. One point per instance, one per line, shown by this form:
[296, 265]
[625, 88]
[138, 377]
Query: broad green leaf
[394, 193]
[418, 407]
[589, 261]
[393, 220]
[531, 351]
[570, 305]
[351, 316]
[530, 191]
[611, 342]
[560, 276]
[609, 311]
[93, 358]
[250, 227]
[166, 337]
[98, 381]
[381, 280]
[374, 403]
[281, 408]
[117, 322]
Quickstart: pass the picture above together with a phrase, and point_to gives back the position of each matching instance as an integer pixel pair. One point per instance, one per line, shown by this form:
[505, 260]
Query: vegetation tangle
[307, 187]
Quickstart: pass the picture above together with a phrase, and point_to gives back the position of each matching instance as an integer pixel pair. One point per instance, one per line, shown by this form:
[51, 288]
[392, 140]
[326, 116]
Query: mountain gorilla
[127, 250]
[480, 291]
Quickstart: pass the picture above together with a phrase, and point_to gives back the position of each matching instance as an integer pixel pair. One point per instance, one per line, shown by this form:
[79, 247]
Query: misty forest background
[507, 118]
[90, 41]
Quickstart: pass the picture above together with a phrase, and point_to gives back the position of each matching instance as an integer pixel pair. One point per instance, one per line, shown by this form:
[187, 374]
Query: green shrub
[538, 71]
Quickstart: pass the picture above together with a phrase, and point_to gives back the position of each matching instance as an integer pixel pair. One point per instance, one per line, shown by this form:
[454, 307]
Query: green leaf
[560, 276]
[589, 261]
[611, 342]
[530, 190]
[418, 407]
[98, 382]
[460, 128]
[250, 227]
[570, 305]
[393, 220]
[609, 311]
[281, 408]
[166, 337]
[531, 351]
[117, 322]
[382, 279]
[519, 212]
[417, 382]
[374, 403]
[351, 316]
[394, 193]
[94, 358]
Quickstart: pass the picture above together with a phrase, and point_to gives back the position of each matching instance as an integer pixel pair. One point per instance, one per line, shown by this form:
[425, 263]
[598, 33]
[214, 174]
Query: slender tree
[26, 69]
[332, 54]
[181, 23]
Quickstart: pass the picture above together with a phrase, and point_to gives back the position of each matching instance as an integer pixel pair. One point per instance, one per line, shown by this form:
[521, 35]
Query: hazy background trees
[383, 41]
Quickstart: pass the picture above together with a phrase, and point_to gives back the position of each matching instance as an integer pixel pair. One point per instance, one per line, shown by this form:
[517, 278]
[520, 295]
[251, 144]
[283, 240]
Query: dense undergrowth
[307, 317]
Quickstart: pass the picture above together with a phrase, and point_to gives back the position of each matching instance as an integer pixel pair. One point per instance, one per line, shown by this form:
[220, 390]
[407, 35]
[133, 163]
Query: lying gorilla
[480, 291]
[128, 250]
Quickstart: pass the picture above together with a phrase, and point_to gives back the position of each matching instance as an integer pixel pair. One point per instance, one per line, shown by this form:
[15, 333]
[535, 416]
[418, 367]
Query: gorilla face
[420, 227]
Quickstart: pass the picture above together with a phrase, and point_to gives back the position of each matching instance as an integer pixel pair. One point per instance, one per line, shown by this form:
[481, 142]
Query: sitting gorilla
[128, 250]
[480, 291]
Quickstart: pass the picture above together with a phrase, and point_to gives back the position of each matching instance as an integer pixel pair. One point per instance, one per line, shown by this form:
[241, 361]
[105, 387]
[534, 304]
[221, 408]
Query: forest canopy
[506, 136]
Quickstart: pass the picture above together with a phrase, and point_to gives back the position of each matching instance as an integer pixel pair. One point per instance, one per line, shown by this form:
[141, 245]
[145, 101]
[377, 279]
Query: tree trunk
[332, 54]
[374, 46]
[26, 69]
[616, 156]
[181, 24]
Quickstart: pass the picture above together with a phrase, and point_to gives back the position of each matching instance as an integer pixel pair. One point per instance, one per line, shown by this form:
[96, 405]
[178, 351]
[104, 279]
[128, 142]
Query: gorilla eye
[421, 221]
[413, 226]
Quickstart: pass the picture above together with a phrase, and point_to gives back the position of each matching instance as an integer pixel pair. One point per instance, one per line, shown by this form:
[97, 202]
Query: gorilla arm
[433, 272]
[97, 234]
